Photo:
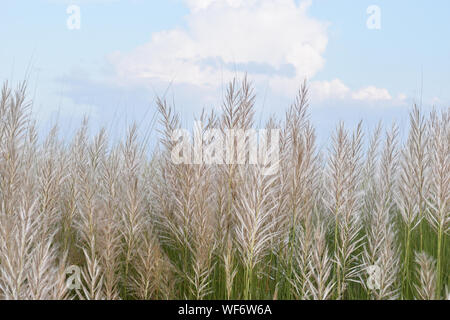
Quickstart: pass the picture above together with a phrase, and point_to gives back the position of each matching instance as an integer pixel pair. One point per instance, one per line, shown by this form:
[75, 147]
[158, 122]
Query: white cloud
[372, 93]
[275, 41]
[435, 100]
[323, 90]
[337, 90]
[402, 97]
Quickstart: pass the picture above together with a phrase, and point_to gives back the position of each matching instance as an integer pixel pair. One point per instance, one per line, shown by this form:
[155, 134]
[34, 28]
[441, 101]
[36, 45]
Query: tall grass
[367, 219]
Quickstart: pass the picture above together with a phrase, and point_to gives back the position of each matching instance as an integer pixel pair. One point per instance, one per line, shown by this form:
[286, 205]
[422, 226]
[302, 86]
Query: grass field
[366, 219]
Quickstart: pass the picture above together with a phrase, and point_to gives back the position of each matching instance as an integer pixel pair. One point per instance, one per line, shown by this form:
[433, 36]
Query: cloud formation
[372, 93]
[271, 40]
[275, 42]
[336, 90]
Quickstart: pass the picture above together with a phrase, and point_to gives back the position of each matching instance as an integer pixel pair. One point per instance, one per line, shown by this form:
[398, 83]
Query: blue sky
[127, 52]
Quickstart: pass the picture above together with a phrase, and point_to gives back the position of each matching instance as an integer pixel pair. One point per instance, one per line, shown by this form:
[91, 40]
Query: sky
[369, 60]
